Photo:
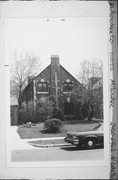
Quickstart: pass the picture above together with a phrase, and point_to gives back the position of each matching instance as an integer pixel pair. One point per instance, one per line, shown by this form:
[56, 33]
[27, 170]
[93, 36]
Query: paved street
[56, 154]
[22, 151]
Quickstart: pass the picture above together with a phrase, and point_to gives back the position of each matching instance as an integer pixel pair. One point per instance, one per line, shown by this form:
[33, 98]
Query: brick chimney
[55, 61]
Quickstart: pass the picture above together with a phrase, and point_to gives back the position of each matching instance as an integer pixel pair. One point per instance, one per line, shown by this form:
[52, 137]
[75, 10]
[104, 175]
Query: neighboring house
[96, 85]
[94, 82]
[14, 111]
[56, 84]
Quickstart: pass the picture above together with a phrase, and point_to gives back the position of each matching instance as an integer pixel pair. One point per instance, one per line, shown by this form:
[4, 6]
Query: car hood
[86, 133]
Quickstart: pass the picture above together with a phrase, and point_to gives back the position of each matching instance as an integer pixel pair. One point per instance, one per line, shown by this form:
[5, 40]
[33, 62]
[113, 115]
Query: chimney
[55, 61]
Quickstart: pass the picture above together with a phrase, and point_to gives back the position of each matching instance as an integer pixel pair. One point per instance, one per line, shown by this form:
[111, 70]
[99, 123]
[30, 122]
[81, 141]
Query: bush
[23, 116]
[52, 126]
[44, 113]
[57, 113]
[26, 113]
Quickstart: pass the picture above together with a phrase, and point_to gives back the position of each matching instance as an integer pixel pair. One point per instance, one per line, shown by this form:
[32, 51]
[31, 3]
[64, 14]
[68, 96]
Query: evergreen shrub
[53, 125]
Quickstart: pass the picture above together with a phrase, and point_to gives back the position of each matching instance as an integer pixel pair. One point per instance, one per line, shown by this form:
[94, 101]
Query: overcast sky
[73, 39]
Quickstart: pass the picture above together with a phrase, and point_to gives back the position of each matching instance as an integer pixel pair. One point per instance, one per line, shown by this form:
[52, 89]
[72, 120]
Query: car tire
[90, 143]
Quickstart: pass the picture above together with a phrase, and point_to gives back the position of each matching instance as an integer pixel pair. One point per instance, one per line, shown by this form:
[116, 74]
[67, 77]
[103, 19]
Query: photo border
[113, 71]
[112, 91]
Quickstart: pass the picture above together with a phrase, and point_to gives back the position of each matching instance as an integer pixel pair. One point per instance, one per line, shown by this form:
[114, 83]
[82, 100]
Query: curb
[49, 145]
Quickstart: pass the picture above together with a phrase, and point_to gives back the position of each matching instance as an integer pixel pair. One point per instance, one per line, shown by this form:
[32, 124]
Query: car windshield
[99, 127]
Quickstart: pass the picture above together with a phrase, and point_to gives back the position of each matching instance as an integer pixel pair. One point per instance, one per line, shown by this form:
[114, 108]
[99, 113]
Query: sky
[73, 39]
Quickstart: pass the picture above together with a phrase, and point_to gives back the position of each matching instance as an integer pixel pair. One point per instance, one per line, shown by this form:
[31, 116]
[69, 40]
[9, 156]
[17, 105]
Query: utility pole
[56, 90]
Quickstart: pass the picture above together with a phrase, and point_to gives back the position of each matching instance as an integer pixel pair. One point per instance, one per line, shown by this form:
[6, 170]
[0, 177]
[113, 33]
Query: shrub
[23, 116]
[57, 113]
[44, 113]
[52, 126]
[26, 114]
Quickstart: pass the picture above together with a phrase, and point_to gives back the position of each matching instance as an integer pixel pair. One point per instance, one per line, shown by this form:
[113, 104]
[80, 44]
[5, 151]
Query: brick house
[58, 85]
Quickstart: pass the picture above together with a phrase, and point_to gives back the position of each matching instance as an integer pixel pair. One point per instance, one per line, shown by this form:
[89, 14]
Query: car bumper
[72, 141]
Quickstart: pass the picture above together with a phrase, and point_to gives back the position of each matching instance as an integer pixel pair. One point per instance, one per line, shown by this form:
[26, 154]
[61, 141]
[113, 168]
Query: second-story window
[42, 86]
[67, 86]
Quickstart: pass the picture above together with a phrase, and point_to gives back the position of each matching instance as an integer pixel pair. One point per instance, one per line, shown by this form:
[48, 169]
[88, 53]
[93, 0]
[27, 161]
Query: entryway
[68, 108]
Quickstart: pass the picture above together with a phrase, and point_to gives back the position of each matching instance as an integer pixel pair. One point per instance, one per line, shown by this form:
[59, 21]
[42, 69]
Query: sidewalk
[16, 143]
[13, 133]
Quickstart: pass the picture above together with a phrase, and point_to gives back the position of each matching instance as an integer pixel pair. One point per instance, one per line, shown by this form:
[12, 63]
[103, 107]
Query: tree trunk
[20, 100]
[90, 113]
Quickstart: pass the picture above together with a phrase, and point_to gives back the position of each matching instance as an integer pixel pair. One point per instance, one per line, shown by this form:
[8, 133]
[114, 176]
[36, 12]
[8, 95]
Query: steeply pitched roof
[98, 84]
[49, 66]
[93, 80]
[70, 75]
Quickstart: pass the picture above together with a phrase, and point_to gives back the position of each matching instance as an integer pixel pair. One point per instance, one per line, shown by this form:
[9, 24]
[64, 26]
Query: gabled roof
[70, 75]
[93, 80]
[42, 71]
[49, 66]
[35, 78]
[98, 84]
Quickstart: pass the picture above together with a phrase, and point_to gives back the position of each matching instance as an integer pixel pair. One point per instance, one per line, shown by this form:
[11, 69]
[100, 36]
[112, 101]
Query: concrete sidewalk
[16, 143]
[13, 133]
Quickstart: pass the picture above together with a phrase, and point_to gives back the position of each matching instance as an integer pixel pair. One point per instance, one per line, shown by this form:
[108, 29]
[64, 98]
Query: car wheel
[90, 143]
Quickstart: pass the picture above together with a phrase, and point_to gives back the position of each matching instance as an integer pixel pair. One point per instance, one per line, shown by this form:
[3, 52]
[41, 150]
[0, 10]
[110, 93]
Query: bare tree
[88, 70]
[24, 66]
[91, 72]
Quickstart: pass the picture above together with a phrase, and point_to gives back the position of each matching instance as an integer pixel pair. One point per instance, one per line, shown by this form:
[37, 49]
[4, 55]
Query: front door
[68, 108]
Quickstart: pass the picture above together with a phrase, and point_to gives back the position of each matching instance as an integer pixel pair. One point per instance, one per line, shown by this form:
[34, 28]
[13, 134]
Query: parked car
[88, 139]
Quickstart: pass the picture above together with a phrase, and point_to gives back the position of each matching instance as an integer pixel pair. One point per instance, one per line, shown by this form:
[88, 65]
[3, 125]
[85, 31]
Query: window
[67, 86]
[42, 86]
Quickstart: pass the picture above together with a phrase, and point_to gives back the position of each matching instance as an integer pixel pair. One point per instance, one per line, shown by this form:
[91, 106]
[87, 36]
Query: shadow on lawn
[74, 148]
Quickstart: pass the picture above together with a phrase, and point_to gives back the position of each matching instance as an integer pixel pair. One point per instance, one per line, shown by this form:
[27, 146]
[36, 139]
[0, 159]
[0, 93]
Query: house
[94, 82]
[96, 87]
[14, 111]
[56, 84]
[98, 84]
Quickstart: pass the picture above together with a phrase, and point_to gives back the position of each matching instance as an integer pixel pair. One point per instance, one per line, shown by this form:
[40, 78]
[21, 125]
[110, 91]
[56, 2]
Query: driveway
[15, 142]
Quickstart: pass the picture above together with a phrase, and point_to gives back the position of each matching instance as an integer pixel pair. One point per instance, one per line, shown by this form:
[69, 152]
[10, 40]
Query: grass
[29, 132]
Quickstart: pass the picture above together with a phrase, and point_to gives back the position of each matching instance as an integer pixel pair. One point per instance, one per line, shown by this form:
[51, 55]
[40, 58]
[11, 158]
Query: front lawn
[34, 131]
